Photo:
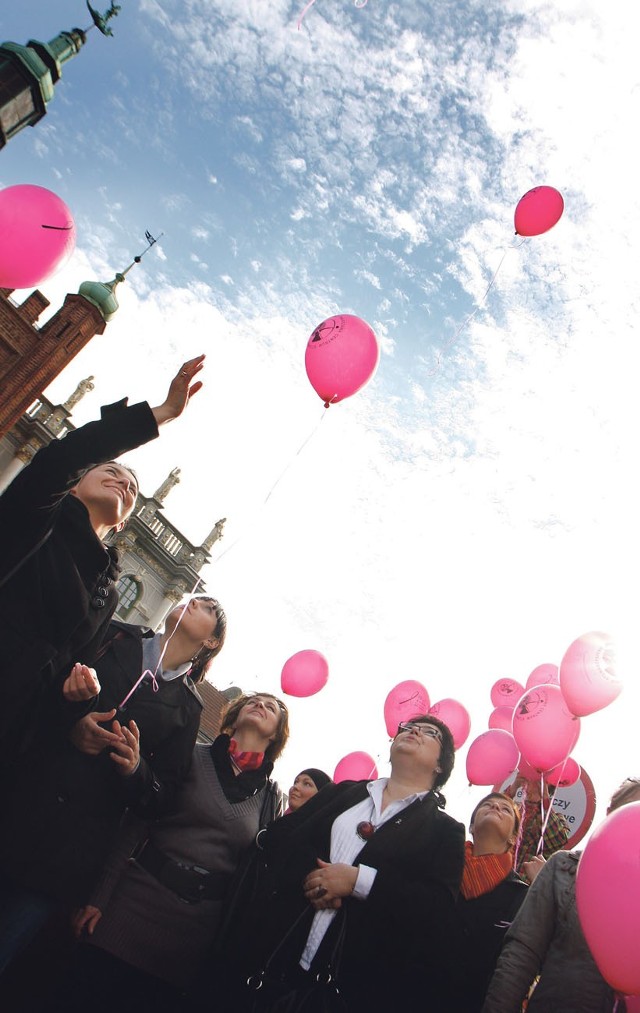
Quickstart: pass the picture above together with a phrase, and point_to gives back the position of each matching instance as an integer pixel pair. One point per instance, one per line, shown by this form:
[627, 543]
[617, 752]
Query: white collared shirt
[346, 845]
[151, 651]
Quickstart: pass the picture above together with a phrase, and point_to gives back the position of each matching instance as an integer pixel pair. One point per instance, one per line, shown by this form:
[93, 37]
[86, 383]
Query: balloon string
[276, 483]
[357, 3]
[307, 8]
[543, 817]
[154, 674]
[451, 341]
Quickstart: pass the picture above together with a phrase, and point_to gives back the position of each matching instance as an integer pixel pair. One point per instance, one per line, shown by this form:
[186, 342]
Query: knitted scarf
[484, 872]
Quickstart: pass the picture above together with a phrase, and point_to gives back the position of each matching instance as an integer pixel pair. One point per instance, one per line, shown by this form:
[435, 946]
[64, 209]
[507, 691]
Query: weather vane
[100, 20]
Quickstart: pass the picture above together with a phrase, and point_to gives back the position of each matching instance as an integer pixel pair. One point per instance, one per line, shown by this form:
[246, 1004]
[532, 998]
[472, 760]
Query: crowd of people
[189, 879]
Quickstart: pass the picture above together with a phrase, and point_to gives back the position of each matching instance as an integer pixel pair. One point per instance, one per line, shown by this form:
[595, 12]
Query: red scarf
[246, 760]
[483, 873]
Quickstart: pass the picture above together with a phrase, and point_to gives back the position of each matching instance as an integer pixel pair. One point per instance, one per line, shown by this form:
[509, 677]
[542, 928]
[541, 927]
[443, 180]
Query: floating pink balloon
[565, 774]
[356, 766]
[456, 718]
[506, 693]
[608, 897]
[37, 234]
[544, 728]
[492, 757]
[409, 699]
[588, 676]
[538, 211]
[342, 355]
[544, 675]
[502, 717]
[304, 674]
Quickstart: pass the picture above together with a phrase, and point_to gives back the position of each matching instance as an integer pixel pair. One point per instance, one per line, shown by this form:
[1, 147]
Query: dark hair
[620, 797]
[202, 660]
[447, 756]
[319, 777]
[120, 465]
[230, 719]
[517, 813]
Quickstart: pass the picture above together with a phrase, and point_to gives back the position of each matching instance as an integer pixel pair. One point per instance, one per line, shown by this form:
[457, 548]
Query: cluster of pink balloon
[37, 235]
[534, 728]
[408, 699]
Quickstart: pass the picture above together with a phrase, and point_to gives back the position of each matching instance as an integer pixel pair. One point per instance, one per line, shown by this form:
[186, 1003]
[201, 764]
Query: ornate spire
[28, 74]
[103, 293]
[83, 388]
[215, 533]
[172, 479]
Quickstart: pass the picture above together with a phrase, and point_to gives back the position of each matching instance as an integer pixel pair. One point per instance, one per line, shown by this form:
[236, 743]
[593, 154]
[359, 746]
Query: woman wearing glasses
[490, 896]
[546, 940]
[382, 859]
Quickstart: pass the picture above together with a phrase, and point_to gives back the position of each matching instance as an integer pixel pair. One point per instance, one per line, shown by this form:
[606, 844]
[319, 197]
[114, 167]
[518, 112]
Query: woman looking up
[149, 929]
[490, 895]
[385, 853]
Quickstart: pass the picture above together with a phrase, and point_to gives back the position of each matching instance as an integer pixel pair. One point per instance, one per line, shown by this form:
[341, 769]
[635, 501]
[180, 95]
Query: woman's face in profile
[302, 790]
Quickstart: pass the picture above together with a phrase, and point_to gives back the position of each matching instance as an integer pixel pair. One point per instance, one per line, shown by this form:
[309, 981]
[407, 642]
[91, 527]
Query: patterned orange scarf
[483, 873]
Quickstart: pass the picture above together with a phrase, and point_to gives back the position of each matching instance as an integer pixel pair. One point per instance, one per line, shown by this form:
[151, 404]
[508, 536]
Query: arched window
[129, 590]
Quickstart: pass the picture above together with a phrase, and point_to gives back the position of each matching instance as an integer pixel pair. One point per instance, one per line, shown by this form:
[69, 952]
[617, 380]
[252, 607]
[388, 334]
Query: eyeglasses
[428, 731]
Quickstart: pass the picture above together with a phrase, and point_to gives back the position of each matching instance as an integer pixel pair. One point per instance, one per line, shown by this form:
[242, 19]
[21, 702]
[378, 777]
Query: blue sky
[474, 508]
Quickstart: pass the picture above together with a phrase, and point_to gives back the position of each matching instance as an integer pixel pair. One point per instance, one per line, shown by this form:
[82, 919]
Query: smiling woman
[57, 579]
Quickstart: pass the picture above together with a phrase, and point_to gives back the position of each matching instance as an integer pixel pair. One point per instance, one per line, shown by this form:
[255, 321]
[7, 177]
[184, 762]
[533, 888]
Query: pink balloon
[524, 768]
[588, 676]
[304, 674]
[342, 355]
[544, 728]
[502, 717]
[456, 718]
[538, 211]
[506, 693]
[565, 774]
[37, 234]
[356, 766]
[608, 897]
[407, 700]
[544, 675]
[492, 757]
[632, 1003]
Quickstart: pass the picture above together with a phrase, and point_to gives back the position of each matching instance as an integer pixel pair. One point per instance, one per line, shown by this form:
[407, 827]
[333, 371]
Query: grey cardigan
[146, 924]
[546, 938]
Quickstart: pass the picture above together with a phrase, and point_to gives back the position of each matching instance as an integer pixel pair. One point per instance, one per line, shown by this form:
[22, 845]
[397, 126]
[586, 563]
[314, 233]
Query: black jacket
[483, 922]
[398, 939]
[57, 579]
[62, 808]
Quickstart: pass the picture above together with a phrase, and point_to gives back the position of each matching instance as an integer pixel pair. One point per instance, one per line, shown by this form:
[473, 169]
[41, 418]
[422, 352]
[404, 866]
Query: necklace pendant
[365, 830]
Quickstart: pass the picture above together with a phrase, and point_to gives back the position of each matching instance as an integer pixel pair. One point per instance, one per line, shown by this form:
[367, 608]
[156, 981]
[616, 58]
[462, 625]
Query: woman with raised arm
[57, 578]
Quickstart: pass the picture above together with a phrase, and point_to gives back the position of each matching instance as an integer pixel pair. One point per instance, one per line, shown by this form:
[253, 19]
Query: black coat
[63, 808]
[483, 922]
[57, 591]
[399, 938]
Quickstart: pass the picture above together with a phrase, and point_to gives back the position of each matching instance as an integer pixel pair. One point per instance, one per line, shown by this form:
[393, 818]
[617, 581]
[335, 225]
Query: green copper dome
[102, 294]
